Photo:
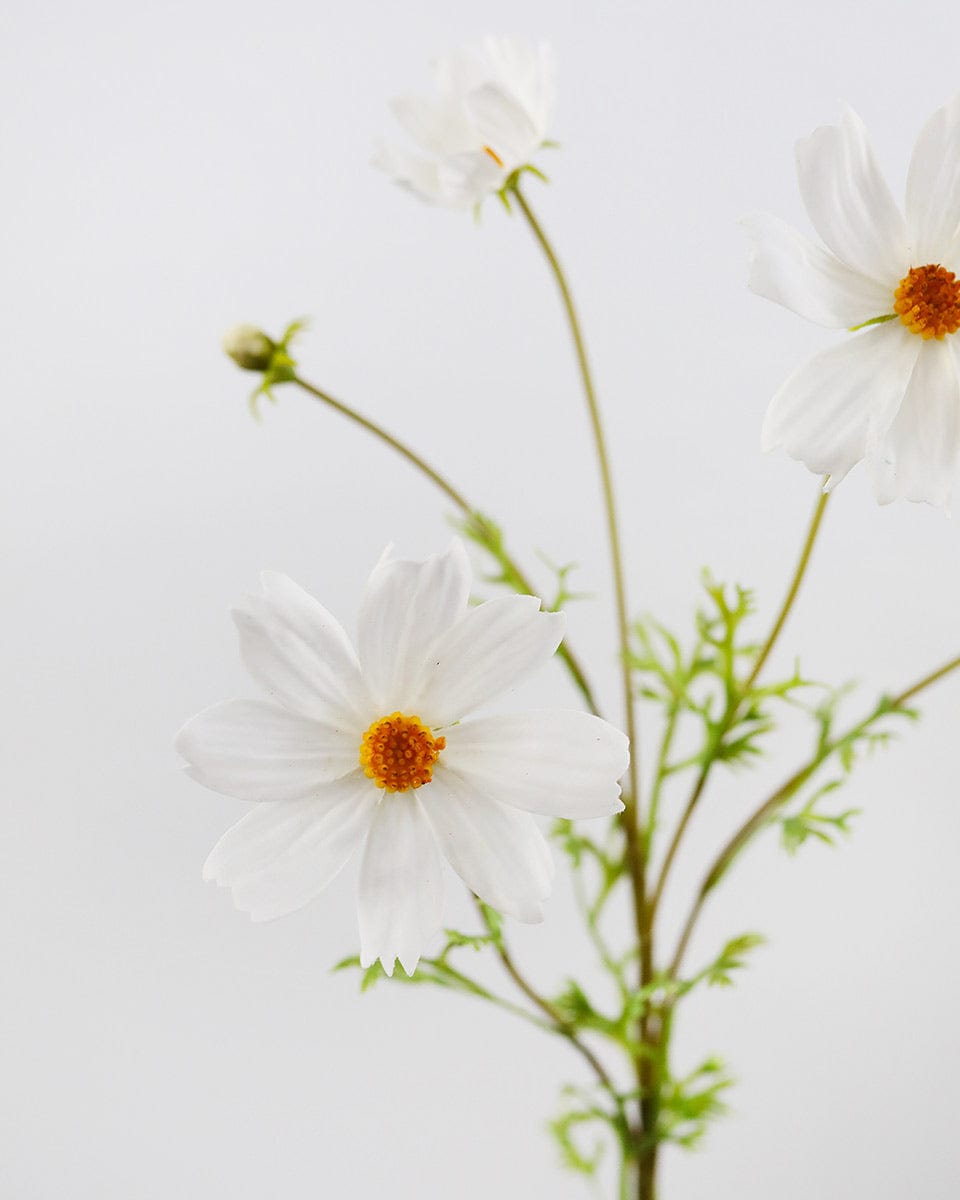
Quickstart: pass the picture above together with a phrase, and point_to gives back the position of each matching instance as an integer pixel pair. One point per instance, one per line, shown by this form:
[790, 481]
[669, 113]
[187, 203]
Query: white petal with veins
[400, 894]
[791, 270]
[258, 751]
[560, 764]
[933, 190]
[917, 459]
[849, 202]
[828, 409]
[497, 851]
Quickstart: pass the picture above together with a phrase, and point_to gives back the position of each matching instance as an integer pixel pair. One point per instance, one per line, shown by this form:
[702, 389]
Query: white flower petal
[560, 764]
[440, 128]
[464, 179]
[849, 203]
[418, 175]
[917, 460]
[933, 189]
[278, 857]
[499, 95]
[405, 607]
[498, 852]
[299, 652]
[789, 269]
[401, 884]
[458, 72]
[256, 751]
[503, 124]
[829, 408]
[487, 651]
[528, 73]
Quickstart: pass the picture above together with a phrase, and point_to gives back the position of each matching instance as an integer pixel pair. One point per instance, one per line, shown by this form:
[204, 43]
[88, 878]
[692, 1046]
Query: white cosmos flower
[891, 393]
[492, 114]
[365, 751]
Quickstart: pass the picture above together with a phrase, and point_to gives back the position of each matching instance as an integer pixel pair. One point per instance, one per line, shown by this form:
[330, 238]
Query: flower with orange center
[928, 301]
[373, 751]
[891, 394]
[398, 753]
[492, 115]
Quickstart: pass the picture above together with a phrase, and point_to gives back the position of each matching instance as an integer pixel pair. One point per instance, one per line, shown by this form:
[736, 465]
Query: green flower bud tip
[249, 347]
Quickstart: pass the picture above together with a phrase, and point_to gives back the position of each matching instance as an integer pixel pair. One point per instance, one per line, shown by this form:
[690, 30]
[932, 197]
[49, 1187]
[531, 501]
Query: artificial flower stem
[457, 498]
[761, 817]
[737, 699]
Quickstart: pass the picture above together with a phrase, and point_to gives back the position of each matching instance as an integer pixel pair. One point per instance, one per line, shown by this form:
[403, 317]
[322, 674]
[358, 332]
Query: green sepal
[282, 367]
[873, 321]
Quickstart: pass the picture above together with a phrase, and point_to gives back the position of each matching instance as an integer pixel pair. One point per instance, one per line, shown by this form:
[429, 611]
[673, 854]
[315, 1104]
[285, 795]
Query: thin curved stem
[461, 502]
[902, 698]
[635, 847]
[660, 774]
[632, 800]
[558, 1022]
[737, 699]
[471, 987]
[801, 569]
[591, 917]
[768, 809]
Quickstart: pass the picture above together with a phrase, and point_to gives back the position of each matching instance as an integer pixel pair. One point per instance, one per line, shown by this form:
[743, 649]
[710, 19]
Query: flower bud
[249, 347]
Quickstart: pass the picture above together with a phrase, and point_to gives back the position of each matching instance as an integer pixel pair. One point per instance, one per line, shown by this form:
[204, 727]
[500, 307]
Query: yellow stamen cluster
[494, 155]
[398, 752]
[928, 301]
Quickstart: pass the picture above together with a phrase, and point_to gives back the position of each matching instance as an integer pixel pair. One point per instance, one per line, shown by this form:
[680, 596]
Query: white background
[171, 168]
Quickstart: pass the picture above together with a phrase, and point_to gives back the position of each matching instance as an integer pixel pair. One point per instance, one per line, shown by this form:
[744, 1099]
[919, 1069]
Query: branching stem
[768, 809]
[734, 702]
[557, 1021]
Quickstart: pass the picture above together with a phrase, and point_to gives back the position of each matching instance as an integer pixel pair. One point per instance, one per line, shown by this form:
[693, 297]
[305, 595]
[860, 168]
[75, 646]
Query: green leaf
[706, 682]
[799, 827]
[731, 958]
[687, 1105]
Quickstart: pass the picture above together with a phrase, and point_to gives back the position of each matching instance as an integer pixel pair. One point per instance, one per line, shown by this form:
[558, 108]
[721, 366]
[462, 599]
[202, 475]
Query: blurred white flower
[890, 395]
[366, 751]
[493, 112]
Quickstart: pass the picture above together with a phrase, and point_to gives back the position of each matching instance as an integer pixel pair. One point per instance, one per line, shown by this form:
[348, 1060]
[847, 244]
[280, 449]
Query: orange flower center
[494, 155]
[398, 752]
[928, 301]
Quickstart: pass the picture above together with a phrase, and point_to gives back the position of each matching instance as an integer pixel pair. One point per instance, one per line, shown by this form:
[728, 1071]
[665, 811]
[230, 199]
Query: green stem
[558, 1024]
[666, 744]
[591, 916]
[736, 699]
[762, 816]
[460, 501]
[635, 849]
[798, 574]
[472, 987]
[556, 1018]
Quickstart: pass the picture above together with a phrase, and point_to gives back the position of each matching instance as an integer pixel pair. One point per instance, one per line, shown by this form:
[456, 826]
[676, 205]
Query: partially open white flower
[891, 394]
[492, 114]
[366, 751]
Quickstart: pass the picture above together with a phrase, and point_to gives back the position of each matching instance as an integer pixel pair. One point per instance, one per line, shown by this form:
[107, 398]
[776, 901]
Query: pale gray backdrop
[171, 168]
